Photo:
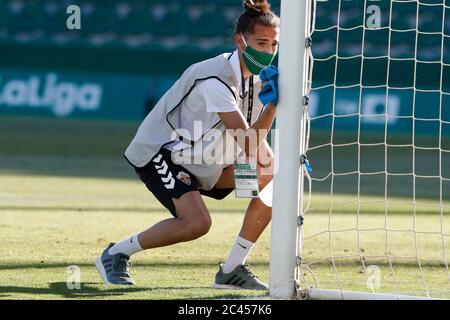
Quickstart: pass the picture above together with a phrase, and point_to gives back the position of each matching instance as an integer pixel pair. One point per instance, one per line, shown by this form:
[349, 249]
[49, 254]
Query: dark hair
[256, 12]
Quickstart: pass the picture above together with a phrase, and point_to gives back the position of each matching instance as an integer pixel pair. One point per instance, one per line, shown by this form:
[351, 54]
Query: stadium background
[128, 53]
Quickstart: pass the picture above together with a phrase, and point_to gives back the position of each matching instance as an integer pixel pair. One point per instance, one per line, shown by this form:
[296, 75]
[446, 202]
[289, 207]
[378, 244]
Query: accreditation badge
[246, 179]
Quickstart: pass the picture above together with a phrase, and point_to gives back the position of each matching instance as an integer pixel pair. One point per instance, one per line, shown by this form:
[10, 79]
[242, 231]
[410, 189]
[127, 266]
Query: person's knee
[198, 226]
[193, 215]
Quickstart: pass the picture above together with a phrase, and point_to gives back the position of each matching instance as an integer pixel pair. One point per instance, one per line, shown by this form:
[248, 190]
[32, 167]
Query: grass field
[66, 192]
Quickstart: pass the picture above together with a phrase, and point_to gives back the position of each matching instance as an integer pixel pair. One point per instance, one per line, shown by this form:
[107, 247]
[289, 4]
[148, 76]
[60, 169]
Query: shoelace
[123, 265]
[247, 270]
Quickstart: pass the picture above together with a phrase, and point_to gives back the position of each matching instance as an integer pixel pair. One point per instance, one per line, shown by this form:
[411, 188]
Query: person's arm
[250, 138]
[233, 121]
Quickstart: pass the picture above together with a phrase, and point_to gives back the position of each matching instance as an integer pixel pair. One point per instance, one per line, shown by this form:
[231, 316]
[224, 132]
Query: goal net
[374, 214]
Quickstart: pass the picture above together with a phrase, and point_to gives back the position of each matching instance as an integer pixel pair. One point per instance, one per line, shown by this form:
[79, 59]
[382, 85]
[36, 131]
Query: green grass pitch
[66, 192]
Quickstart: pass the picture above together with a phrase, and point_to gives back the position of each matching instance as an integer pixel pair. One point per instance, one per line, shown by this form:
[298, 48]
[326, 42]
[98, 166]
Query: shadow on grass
[91, 290]
[136, 264]
[87, 290]
[411, 262]
[98, 290]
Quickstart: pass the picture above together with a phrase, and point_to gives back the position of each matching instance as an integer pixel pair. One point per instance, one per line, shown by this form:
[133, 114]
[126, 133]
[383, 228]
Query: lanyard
[250, 98]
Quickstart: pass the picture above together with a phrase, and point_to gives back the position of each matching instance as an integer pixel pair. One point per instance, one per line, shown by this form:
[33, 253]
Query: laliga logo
[62, 98]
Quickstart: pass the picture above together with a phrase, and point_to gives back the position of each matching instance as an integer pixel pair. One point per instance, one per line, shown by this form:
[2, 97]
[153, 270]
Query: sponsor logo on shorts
[184, 177]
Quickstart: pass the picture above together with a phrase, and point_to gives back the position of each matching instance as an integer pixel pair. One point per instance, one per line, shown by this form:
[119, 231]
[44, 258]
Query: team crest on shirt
[184, 177]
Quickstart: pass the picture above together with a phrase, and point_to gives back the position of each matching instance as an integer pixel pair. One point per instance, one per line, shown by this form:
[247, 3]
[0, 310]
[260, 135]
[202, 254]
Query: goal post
[286, 204]
[372, 221]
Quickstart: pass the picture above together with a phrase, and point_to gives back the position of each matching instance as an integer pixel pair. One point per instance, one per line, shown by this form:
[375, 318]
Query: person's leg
[192, 221]
[258, 215]
[233, 273]
[256, 219]
[181, 197]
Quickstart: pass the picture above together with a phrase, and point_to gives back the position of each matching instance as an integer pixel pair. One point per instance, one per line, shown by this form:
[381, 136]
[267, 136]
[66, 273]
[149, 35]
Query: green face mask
[256, 60]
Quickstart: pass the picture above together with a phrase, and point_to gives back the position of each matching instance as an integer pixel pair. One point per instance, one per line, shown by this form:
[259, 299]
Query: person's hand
[269, 90]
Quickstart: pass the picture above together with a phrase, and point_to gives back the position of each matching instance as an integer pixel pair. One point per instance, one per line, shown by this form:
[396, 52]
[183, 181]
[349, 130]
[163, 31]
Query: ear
[238, 41]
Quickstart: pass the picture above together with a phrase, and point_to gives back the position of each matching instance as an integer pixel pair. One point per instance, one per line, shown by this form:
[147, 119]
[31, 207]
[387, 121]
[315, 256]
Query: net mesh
[377, 128]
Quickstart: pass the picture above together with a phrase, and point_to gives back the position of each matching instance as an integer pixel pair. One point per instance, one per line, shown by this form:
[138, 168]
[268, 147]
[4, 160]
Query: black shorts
[167, 180]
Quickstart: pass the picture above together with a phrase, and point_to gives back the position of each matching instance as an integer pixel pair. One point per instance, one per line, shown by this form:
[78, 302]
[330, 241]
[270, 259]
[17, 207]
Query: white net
[378, 216]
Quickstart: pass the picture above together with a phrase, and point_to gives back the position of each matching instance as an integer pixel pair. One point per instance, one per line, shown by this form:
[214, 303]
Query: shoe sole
[101, 270]
[226, 286]
[231, 287]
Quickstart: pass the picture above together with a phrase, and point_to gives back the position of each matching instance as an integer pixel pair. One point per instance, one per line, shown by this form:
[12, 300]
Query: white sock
[128, 246]
[239, 253]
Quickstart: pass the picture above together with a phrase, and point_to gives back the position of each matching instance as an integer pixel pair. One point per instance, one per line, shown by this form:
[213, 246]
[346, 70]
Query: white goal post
[286, 204]
[372, 221]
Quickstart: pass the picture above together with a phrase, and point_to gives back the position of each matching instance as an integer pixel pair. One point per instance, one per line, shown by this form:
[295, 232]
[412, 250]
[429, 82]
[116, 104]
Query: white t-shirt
[213, 94]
